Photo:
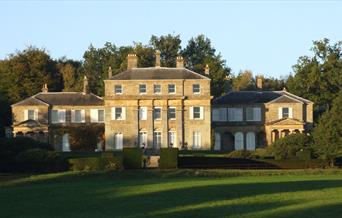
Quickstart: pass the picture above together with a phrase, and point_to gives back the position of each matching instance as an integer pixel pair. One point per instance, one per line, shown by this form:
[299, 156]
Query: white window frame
[73, 116]
[121, 89]
[157, 143]
[238, 141]
[168, 88]
[199, 88]
[196, 140]
[168, 113]
[256, 113]
[118, 141]
[142, 138]
[140, 86]
[154, 113]
[154, 89]
[58, 116]
[172, 139]
[192, 113]
[142, 113]
[123, 113]
[95, 115]
[35, 114]
[233, 112]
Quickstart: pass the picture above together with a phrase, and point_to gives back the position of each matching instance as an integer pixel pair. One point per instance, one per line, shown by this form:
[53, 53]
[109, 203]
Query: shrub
[168, 158]
[287, 147]
[304, 155]
[96, 163]
[261, 153]
[240, 154]
[132, 158]
[39, 160]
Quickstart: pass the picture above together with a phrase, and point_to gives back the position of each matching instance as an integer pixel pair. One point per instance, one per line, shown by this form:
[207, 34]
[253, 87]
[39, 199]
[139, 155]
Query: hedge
[168, 158]
[39, 160]
[132, 158]
[96, 163]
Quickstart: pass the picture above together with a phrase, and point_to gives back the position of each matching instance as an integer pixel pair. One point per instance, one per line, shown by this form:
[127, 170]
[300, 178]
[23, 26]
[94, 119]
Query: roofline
[173, 68]
[284, 96]
[33, 97]
[303, 99]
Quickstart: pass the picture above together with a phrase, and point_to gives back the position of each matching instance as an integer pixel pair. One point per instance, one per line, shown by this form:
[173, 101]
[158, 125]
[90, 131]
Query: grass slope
[177, 193]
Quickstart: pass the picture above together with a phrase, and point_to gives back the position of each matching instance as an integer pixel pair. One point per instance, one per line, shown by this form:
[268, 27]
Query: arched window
[217, 146]
[238, 143]
[250, 141]
[65, 141]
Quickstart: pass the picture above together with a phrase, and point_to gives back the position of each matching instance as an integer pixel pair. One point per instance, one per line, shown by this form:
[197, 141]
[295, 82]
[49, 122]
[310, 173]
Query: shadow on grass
[99, 195]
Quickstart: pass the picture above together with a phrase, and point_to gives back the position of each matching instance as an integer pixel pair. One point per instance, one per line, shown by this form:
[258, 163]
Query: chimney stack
[157, 58]
[45, 88]
[206, 70]
[179, 62]
[259, 82]
[110, 72]
[132, 61]
[85, 85]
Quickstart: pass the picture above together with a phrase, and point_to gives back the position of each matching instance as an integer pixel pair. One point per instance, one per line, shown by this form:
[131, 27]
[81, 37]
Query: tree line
[317, 77]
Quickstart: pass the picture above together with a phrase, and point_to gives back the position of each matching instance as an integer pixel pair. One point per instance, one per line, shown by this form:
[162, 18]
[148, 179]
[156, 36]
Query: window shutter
[94, 115]
[36, 114]
[62, 120]
[290, 112]
[123, 113]
[83, 116]
[73, 116]
[113, 113]
[25, 114]
[191, 111]
[257, 114]
[201, 113]
[280, 112]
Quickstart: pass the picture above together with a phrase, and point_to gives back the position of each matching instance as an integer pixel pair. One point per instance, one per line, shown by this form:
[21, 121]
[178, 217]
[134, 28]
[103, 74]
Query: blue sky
[263, 36]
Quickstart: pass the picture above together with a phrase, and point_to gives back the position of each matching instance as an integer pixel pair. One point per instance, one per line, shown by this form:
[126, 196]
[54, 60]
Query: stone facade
[280, 113]
[137, 131]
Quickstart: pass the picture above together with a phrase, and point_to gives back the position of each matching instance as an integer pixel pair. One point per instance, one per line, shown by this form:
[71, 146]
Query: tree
[328, 132]
[72, 74]
[243, 81]
[318, 78]
[198, 53]
[287, 147]
[169, 46]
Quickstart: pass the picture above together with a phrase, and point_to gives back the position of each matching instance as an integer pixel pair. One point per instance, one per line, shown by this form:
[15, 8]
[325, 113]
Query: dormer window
[142, 88]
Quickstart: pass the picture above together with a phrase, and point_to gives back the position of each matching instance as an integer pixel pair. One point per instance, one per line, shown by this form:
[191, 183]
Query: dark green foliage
[132, 158]
[318, 78]
[169, 46]
[84, 138]
[39, 160]
[287, 147]
[96, 163]
[298, 163]
[200, 52]
[328, 132]
[168, 158]
[304, 155]
[240, 154]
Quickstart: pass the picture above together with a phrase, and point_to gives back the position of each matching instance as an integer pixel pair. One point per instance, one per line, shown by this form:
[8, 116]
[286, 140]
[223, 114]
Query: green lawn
[177, 193]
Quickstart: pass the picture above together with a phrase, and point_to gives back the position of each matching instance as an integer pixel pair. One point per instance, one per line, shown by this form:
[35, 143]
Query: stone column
[179, 126]
[150, 125]
[165, 135]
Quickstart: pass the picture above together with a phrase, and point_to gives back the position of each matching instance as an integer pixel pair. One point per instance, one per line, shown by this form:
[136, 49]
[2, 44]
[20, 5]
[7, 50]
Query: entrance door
[118, 141]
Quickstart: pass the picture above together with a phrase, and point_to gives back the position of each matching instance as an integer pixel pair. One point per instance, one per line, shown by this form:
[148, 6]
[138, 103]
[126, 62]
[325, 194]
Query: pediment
[29, 124]
[285, 99]
[286, 121]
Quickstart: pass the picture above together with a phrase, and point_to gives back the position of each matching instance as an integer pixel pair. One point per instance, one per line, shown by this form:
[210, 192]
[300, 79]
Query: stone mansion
[158, 107]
